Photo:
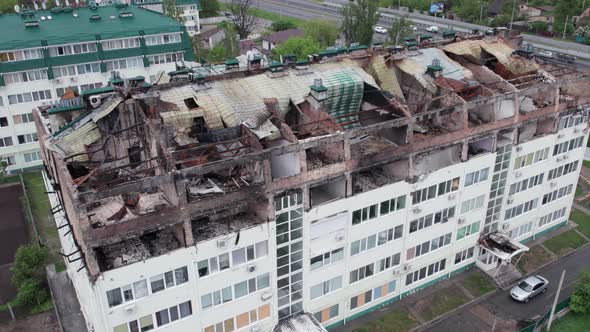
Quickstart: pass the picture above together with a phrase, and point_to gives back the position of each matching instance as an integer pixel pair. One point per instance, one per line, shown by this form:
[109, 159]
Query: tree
[29, 263]
[231, 45]
[31, 292]
[400, 29]
[169, 9]
[209, 8]
[565, 10]
[7, 6]
[241, 17]
[580, 300]
[359, 17]
[301, 47]
[281, 25]
[538, 26]
[324, 32]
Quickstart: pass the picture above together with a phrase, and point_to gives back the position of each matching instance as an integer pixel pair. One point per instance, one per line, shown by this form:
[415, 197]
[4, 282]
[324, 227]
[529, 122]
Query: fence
[560, 306]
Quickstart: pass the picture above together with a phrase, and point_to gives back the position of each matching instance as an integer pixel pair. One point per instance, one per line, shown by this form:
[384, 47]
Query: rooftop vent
[125, 14]
[32, 24]
[95, 18]
[435, 69]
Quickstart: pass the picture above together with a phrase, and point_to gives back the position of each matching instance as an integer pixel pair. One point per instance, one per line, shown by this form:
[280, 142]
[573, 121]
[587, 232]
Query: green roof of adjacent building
[75, 25]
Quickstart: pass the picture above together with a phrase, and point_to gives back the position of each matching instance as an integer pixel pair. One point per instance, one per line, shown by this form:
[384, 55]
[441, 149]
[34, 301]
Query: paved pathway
[66, 302]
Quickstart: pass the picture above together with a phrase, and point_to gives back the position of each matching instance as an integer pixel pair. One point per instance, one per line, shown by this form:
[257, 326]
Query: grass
[583, 221]
[564, 242]
[571, 323]
[586, 163]
[47, 305]
[441, 302]
[9, 179]
[533, 259]
[579, 190]
[397, 320]
[477, 284]
[41, 211]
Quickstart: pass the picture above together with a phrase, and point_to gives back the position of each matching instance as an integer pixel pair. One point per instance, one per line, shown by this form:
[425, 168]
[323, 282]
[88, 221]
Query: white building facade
[40, 75]
[346, 257]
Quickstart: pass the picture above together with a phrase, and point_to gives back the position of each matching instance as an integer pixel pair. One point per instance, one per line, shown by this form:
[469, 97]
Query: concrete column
[464, 150]
[188, 233]
[349, 191]
[302, 161]
[346, 147]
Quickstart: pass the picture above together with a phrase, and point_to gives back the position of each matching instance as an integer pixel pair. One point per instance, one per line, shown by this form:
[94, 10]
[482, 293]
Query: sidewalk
[66, 302]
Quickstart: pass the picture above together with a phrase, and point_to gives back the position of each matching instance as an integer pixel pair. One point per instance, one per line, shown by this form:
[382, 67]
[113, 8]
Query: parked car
[414, 28]
[432, 28]
[379, 29]
[545, 54]
[529, 288]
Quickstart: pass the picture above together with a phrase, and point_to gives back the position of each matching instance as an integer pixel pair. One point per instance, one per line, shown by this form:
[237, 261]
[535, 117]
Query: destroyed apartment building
[310, 192]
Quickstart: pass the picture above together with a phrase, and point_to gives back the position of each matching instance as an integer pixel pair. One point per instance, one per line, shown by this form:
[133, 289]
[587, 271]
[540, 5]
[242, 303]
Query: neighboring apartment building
[246, 199]
[187, 11]
[48, 51]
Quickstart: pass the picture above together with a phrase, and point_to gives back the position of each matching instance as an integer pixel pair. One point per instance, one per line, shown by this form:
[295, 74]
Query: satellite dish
[16, 8]
[36, 6]
[43, 5]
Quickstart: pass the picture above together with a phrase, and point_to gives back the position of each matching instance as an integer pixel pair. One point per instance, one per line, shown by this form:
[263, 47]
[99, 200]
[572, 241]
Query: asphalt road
[503, 307]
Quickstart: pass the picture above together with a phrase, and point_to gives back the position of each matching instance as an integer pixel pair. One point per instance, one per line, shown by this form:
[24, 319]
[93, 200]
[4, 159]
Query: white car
[379, 29]
[529, 288]
[432, 28]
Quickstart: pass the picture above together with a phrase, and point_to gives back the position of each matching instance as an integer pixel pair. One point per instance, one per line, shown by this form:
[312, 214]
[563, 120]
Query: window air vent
[95, 18]
[32, 24]
[125, 14]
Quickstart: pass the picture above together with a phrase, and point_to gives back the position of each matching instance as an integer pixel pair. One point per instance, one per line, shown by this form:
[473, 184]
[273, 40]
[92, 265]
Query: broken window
[134, 154]
[191, 103]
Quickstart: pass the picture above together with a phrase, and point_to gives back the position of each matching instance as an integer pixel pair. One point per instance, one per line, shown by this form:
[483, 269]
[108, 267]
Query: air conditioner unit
[553, 184]
[251, 268]
[451, 197]
[221, 243]
[505, 227]
[57, 80]
[129, 308]
[95, 100]
[73, 78]
[407, 267]
[566, 157]
[577, 131]
[518, 148]
[416, 210]
[266, 296]
[339, 237]
[517, 174]
[461, 221]
[510, 200]
[396, 272]
[558, 159]
[560, 136]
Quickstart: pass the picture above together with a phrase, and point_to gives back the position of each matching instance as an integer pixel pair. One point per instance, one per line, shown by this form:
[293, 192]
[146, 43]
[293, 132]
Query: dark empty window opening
[134, 154]
[199, 127]
[191, 103]
[3, 122]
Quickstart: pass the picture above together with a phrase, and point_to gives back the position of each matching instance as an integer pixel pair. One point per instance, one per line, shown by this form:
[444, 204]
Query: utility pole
[565, 27]
[480, 12]
[512, 17]
[555, 301]
[9, 310]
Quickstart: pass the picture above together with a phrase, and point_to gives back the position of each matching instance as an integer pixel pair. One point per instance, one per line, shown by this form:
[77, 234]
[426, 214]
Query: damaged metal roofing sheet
[385, 76]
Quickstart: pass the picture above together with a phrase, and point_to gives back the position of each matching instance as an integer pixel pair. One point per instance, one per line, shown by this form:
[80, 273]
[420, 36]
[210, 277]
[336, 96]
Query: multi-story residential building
[47, 52]
[187, 12]
[246, 200]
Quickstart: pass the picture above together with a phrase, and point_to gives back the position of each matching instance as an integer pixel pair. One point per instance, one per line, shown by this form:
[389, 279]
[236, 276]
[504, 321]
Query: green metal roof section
[76, 26]
[103, 89]
[65, 109]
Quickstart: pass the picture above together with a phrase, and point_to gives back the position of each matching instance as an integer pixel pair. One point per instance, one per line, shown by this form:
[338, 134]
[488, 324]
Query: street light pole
[512, 16]
[565, 27]
[555, 301]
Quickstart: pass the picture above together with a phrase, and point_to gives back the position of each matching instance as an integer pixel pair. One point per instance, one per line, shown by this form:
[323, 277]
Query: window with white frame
[238, 290]
[557, 194]
[566, 146]
[135, 62]
[326, 314]
[425, 272]
[29, 54]
[162, 39]
[236, 257]
[10, 160]
[433, 191]
[326, 287]
[5, 141]
[22, 118]
[127, 293]
[90, 86]
[364, 214]
[64, 71]
[27, 138]
[562, 170]
[392, 205]
[552, 216]
[464, 255]
[476, 177]
[143, 324]
[570, 120]
[472, 204]
[117, 44]
[375, 240]
[62, 91]
[526, 184]
[374, 294]
[468, 230]
[169, 279]
[32, 156]
[165, 58]
[362, 273]
[29, 97]
[72, 49]
[428, 220]
[169, 315]
[520, 209]
[326, 258]
[521, 230]
[86, 68]
[531, 158]
[25, 76]
[428, 246]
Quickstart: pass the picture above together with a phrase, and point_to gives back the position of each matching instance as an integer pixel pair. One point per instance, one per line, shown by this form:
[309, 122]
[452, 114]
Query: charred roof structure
[144, 169]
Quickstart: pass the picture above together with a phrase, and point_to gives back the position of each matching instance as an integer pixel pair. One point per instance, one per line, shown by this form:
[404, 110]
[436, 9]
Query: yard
[398, 320]
[477, 284]
[564, 243]
[571, 323]
[440, 302]
[583, 221]
[533, 259]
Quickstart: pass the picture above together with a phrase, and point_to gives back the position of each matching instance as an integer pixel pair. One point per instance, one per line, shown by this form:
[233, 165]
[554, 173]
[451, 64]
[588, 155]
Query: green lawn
[579, 190]
[398, 320]
[586, 163]
[583, 221]
[564, 242]
[442, 301]
[9, 179]
[533, 259]
[571, 323]
[41, 211]
[477, 284]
